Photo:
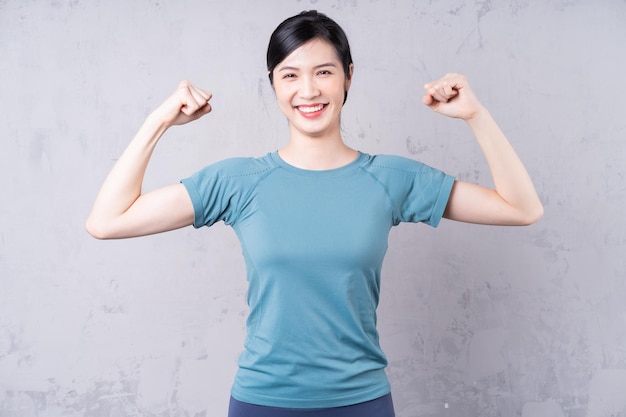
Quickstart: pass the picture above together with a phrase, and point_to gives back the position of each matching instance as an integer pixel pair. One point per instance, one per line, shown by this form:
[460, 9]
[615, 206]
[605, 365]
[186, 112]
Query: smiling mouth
[311, 109]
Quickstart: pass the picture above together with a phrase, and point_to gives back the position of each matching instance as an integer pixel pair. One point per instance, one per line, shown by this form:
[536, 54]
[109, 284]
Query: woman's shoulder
[395, 162]
[239, 166]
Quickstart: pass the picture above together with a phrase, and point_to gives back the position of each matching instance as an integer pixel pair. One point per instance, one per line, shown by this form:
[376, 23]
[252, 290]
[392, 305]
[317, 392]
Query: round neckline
[333, 172]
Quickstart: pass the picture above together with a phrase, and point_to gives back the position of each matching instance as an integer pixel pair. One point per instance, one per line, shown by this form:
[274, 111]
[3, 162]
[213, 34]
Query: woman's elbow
[97, 229]
[533, 215]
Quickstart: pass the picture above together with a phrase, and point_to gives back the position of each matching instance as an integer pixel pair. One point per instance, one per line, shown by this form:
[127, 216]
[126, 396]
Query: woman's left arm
[514, 201]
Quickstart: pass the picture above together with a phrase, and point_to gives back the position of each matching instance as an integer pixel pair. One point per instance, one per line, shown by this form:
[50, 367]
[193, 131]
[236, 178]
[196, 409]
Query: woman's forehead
[312, 53]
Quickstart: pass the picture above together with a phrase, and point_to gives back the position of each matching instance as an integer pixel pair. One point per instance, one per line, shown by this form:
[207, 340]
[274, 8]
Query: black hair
[302, 28]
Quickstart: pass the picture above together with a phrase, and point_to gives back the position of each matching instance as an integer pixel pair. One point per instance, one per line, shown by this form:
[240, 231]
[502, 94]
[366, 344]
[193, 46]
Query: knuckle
[184, 84]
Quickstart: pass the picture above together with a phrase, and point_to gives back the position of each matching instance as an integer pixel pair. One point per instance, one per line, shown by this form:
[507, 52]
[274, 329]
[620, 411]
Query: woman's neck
[317, 153]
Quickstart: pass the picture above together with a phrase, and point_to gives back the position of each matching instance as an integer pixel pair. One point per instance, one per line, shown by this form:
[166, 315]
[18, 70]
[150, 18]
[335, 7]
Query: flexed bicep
[472, 203]
[514, 200]
[121, 209]
[157, 211]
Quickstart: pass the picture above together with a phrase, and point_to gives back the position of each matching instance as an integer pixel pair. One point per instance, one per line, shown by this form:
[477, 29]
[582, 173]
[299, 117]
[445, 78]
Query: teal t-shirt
[314, 243]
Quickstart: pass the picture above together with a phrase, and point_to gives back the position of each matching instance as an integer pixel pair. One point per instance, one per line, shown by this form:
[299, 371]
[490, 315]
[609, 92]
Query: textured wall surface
[476, 321]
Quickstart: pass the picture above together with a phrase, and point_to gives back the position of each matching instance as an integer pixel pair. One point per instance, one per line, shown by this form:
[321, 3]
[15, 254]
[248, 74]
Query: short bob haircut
[302, 28]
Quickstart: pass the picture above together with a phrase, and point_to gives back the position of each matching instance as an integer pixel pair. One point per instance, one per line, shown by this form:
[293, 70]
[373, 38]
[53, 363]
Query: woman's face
[310, 86]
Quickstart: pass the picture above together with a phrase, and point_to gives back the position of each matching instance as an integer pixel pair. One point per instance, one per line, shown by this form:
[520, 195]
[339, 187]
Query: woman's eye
[324, 72]
[289, 76]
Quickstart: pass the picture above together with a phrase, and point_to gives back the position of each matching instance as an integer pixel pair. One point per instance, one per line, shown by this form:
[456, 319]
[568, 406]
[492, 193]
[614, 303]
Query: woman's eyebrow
[290, 68]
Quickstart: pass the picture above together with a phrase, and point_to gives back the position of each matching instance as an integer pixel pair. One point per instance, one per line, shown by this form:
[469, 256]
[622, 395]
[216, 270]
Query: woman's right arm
[121, 210]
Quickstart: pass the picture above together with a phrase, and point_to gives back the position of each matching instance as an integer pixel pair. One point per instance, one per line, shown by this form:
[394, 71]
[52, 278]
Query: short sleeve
[418, 192]
[214, 193]
[428, 197]
[211, 194]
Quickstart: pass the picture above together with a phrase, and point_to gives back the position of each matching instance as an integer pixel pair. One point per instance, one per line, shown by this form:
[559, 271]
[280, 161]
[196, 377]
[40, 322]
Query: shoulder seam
[384, 187]
[262, 174]
[251, 173]
[411, 171]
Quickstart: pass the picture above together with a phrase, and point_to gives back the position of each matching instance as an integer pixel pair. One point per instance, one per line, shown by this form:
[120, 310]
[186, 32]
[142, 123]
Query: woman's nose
[308, 88]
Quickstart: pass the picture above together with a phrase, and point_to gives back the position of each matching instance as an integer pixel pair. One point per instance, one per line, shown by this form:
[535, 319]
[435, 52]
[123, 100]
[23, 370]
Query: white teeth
[311, 109]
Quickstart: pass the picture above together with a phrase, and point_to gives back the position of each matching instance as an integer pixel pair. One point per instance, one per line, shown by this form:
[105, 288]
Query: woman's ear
[349, 77]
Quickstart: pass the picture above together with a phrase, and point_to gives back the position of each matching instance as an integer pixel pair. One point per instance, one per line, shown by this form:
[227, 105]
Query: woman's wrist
[156, 123]
[479, 116]
[152, 129]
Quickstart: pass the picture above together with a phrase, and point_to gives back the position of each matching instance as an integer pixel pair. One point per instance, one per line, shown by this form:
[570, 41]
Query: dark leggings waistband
[380, 407]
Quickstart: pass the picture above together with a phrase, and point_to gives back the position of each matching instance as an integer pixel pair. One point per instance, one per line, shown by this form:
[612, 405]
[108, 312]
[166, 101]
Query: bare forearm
[123, 185]
[120, 209]
[511, 179]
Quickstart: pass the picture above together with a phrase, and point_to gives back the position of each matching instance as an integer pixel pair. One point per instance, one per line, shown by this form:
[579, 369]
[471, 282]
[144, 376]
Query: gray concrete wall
[476, 321]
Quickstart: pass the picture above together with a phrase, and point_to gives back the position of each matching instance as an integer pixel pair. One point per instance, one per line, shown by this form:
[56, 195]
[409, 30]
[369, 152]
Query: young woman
[313, 220]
